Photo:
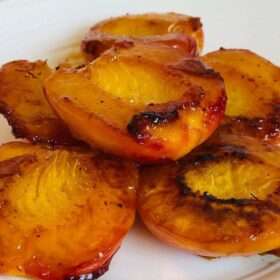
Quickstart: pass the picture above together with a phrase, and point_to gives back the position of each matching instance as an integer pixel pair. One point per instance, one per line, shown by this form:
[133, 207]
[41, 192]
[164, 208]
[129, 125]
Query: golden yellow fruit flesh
[145, 102]
[63, 212]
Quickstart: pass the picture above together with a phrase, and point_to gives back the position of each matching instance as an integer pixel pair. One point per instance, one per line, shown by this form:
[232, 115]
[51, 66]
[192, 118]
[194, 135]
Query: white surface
[33, 29]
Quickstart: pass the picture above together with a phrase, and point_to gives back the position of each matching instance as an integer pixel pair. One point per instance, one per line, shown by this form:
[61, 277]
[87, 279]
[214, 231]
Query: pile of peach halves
[146, 123]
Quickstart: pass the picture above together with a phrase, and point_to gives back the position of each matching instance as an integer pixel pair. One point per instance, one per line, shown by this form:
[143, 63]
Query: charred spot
[66, 99]
[239, 154]
[11, 166]
[25, 68]
[183, 187]
[161, 117]
[30, 74]
[277, 191]
[94, 46]
[203, 158]
[17, 130]
[96, 43]
[193, 65]
[80, 66]
[195, 23]
[63, 139]
[91, 46]
[150, 119]
[212, 198]
[165, 113]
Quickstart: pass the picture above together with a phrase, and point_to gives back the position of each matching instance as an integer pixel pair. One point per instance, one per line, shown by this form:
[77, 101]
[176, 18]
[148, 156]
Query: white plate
[34, 29]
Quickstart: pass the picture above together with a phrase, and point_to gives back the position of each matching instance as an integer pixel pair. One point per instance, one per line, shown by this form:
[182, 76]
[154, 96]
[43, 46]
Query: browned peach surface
[253, 89]
[63, 212]
[219, 200]
[145, 102]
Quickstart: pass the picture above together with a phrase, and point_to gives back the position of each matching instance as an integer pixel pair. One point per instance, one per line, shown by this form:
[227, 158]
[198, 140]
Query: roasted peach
[253, 89]
[64, 212]
[23, 103]
[145, 102]
[219, 200]
[174, 30]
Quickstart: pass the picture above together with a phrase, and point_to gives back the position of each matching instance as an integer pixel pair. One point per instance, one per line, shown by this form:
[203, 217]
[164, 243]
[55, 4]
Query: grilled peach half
[219, 200]
[145, 102]
[253, 89]
[174, 30]
[23, 103]
[64, 212]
